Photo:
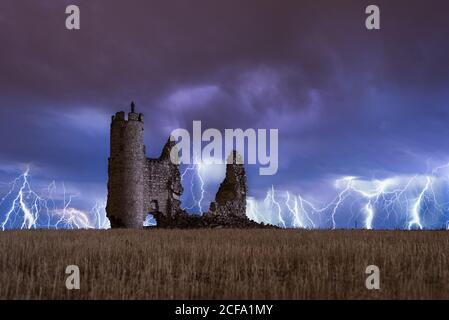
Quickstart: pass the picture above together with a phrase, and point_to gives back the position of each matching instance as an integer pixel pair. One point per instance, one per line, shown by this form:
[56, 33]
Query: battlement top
[132, 115]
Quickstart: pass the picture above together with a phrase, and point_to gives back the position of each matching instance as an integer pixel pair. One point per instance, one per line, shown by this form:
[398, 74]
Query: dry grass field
[224, 264]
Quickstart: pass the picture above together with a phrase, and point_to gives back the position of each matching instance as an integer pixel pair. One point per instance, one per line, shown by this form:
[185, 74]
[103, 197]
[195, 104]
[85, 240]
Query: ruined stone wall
[227, 211]
[230, 200]
[156, 185]
[125, 206]
[163, 186]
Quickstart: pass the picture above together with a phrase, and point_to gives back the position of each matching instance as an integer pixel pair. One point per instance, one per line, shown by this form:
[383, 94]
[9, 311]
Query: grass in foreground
[224, 264]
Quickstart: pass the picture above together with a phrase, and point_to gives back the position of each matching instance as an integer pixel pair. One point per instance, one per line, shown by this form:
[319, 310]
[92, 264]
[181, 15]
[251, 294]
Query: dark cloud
[346, 101]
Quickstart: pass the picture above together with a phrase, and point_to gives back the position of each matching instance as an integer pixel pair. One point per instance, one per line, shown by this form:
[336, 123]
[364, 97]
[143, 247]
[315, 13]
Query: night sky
[347, 101]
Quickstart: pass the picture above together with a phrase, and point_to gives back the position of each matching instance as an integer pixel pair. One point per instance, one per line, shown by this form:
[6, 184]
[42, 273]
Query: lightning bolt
[412, 200]
[294, 210]
[30, 214]
[341, 197]
[401, 198]
[196, 175]
[270, 198]
[415, 217]
[31, 210]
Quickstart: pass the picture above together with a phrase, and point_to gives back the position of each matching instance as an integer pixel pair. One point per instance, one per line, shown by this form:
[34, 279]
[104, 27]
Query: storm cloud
[346, 101]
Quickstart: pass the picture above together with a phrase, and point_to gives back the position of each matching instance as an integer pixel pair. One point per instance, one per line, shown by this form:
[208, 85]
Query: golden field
[224, 264]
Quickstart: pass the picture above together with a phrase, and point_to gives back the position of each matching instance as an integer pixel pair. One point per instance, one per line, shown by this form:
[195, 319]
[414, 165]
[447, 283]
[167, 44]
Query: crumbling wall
[163, 188]
[230, 199]
[227, 211]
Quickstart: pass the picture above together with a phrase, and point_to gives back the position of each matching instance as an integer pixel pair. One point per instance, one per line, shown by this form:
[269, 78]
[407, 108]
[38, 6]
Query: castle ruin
[139, 186]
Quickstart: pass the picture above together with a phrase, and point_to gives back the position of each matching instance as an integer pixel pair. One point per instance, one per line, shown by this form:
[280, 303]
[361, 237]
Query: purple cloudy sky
[346, 101]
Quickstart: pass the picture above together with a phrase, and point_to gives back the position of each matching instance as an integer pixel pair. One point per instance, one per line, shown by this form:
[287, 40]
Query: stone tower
[230, 199]
[125, 206]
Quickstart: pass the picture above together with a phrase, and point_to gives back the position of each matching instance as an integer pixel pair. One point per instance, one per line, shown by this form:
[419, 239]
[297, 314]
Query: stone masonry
[231, 196]
[139, 185]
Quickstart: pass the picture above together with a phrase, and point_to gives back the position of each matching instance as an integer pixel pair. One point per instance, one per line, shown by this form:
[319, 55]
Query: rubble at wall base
[191, 221]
